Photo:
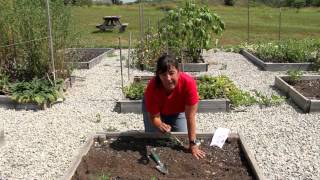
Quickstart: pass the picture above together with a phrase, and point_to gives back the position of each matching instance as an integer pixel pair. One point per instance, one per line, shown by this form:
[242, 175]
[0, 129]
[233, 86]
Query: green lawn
[263, 23]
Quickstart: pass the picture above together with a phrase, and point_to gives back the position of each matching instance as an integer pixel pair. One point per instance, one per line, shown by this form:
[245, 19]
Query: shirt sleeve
[192, 96]
[150, 96]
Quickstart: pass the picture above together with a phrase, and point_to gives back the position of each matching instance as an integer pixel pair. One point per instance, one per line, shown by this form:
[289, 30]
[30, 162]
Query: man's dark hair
[163, 65]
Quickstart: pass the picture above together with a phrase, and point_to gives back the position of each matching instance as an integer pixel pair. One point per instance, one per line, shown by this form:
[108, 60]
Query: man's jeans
[177, 122]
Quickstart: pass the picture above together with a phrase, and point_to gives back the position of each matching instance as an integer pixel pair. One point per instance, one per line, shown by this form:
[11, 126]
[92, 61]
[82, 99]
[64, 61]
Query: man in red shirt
[170, 102]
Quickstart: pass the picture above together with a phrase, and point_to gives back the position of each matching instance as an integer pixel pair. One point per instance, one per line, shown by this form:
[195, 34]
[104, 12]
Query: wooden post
[50, 42]
[129, 51]
[279, 35]
[248, 30]
[121, 65]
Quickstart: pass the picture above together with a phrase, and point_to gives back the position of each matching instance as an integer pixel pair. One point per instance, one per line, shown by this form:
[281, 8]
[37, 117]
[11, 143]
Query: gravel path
[41, 145]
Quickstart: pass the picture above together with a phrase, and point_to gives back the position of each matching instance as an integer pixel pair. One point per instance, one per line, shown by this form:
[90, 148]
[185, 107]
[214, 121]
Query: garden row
[39, 94]
[184, 33]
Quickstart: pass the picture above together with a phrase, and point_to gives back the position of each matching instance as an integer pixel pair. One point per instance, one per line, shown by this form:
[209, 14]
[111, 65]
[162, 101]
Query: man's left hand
[196, 152]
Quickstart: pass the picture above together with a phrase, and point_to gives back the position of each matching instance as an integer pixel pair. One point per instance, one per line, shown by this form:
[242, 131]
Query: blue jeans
[177, 121]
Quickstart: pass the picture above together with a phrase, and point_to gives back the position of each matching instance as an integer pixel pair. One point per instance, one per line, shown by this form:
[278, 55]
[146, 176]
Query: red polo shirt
[185, 93]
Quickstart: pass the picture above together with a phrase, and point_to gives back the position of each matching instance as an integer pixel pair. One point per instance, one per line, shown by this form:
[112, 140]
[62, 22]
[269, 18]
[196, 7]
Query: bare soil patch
[129, 158]
[309, 88]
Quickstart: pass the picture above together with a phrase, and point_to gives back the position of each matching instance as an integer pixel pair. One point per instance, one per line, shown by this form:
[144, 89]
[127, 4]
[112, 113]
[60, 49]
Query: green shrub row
[24, 50]
[285, 51]
[214, 88]
[39, 91]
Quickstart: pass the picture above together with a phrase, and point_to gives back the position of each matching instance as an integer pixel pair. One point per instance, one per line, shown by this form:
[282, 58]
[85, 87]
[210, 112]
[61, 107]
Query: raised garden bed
[194, 67]
[270, 66]
[126, 156]
[86, 58]
[7, 102]
[304, 92]
[147, 78]
[205, 106]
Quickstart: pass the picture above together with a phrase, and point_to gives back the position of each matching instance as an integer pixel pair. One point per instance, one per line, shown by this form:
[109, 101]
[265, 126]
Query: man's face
[170, 78]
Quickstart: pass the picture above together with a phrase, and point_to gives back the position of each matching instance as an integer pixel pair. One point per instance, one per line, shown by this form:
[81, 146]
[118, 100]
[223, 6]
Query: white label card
[219, 137]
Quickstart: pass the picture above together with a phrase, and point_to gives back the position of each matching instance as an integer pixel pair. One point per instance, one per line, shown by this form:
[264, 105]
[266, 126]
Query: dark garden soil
[309, 88]
[84, 55]
[129, 158]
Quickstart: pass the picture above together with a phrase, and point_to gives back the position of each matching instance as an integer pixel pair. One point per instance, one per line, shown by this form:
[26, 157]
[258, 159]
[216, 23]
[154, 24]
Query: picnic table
[112, 22]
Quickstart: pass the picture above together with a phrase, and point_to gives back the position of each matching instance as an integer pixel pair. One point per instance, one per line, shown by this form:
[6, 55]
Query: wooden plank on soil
[194, 67]
[251, 159]
[281, 84]
[315, 105]
[77, 159]
[206, 105]
[299, 99]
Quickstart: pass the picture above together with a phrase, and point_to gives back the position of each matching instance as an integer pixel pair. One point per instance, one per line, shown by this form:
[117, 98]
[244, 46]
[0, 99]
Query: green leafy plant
[215, 88]
[146, 53]
[190, 28]
[223, 87]
[24, 23]
[135, 90]
[287, 51]
[294, 76]
[102, 176]
[268, 101]
[4, 84]
[37, 91]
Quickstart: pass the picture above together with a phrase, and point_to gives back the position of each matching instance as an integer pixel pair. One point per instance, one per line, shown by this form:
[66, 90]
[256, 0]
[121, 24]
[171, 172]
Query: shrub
[229, 2]
[223, 87]
[134, 91]
[4, 84]
[299, 4]
[294, 76]
[78, 2]
[190, 28]
[26, 21]
[38, 91]
[287, 51]
[315, 3]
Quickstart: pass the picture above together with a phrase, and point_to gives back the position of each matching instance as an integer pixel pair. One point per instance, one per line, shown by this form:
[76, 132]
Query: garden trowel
[161, 167]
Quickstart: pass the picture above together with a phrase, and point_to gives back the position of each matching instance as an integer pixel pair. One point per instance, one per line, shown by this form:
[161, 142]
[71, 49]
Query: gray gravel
[41, 145]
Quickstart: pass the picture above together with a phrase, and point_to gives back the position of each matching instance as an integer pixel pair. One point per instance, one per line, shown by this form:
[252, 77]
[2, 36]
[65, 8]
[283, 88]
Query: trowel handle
[155, 156]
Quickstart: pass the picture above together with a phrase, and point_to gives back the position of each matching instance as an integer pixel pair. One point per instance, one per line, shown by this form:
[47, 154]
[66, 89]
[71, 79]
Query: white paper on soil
[219, 137]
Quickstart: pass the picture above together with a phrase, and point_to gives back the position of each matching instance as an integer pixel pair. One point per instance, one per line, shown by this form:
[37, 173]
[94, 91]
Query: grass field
[264, 23]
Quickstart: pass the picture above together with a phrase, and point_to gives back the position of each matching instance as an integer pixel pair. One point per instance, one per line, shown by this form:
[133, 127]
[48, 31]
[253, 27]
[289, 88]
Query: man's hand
[164, 128]
[196, 152]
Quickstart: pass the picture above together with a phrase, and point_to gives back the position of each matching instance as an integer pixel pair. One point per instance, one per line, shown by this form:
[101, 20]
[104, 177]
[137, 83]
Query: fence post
[121, 65]
[248, 28]
[129, 51]
[50, 42]
[279, 37]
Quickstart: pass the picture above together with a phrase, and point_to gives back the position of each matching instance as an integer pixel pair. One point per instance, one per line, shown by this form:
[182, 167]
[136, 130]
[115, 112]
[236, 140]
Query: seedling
[98, 118]
[294, 76]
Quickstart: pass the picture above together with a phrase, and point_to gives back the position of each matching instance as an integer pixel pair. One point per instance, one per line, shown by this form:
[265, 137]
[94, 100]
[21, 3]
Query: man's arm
[191, 123]
[191, 120]
[156, 121]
